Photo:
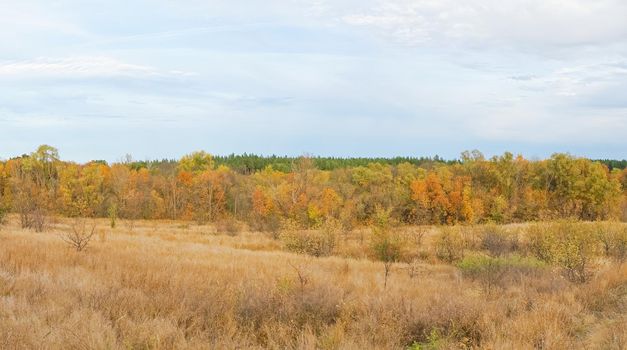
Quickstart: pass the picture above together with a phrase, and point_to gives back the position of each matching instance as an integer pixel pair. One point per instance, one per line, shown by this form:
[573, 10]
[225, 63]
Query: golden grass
[171, 285]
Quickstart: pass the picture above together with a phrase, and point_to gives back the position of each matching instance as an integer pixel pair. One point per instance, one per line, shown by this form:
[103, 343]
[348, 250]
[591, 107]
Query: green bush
[570, 245]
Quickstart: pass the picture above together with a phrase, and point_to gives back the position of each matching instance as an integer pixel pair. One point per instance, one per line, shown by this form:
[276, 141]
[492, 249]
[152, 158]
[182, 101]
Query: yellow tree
[34, 185]
[431, 199]
[209, 200]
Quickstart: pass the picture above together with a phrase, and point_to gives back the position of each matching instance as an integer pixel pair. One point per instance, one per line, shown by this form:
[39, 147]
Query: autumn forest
[298, 193]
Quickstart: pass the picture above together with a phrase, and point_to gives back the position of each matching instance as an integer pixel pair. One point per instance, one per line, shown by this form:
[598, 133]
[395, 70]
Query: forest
[272, 192]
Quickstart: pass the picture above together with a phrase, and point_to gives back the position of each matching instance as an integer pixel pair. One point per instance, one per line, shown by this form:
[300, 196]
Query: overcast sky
[156, 79]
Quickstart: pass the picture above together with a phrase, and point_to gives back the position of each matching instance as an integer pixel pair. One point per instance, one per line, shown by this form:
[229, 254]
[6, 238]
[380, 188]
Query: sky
[162, 78]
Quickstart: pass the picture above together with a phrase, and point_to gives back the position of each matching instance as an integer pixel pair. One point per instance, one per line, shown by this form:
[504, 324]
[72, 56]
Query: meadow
[165, 284]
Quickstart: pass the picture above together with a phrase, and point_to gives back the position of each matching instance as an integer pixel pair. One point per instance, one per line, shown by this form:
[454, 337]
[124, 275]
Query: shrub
[471, 237]
[271, 225]
[386, 246]
[447, 321]
[415, 235]
[613, 238]
[491, 271]
[607, 291]
[80, 235]
[541, 242]
[229, 226]
[313, 242]
[39, 220]
[113, 214]
[3, 213]
[570, 245]
[497, 241]
[434, 341]
[575, 249]
[449, 245]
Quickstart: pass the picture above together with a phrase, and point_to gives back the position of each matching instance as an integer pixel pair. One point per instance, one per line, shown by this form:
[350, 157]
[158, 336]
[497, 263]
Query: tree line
[306, 192]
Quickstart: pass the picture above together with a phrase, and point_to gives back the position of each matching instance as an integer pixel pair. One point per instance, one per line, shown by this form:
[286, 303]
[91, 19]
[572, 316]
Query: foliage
[265, 191]
[450, 244]
[570, 245]
[113, 215]
[312, 242]
[320, 242]
[613, 239]
[196, 162]
[386, 243]
[251, 163]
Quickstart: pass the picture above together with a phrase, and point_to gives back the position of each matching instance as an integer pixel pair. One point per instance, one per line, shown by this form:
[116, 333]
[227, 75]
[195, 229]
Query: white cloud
[536, 23]
[579, 81]
[78, 67]
[464, 72]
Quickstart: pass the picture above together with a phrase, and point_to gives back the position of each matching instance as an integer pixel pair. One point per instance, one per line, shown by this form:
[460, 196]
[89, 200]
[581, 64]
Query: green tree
[196, 162]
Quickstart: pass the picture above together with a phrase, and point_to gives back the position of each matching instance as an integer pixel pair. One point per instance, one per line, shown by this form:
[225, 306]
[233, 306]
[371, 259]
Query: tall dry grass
[171, 285]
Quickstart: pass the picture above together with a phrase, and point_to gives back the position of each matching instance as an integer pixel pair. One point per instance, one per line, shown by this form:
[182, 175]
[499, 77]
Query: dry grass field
[174, 285]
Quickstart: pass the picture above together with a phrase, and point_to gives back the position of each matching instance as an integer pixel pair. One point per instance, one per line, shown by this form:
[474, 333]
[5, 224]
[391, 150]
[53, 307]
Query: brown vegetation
[168, 285]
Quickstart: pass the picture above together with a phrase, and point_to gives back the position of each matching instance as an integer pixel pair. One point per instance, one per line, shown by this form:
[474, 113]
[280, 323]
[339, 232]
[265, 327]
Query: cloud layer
[374, 77]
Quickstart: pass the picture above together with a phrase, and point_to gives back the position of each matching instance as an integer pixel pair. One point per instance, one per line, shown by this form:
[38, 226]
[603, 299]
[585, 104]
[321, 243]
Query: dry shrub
[607, 291]
[549, 323]
[414, 249]
[102, 235]
[494, 272]
[320, 242]
[386, 245]
[271, 225]
[278, 314]
[80, 234]
[311, 242]
[35, 218]
[416, 235]
[498, 241]
[613, 238]
[229, 226]
[446, 322]
[203, 291]
[3, 213]
[612, 335]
